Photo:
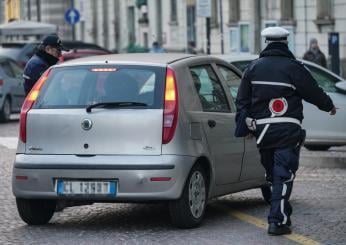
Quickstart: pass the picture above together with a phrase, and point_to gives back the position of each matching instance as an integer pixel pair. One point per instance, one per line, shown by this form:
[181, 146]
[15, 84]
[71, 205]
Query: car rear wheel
[5, 111]
[317, 147]
[188, 211]
[35, 212]
[266, 193]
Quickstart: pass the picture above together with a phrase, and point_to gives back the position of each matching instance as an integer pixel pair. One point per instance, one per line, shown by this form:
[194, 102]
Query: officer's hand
[333, 111]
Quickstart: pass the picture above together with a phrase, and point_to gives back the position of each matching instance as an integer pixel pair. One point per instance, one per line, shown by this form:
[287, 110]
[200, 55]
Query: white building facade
[119, 24]
[175, 22]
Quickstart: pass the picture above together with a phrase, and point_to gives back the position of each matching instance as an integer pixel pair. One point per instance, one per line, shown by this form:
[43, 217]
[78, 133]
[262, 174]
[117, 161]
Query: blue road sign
[72, 16]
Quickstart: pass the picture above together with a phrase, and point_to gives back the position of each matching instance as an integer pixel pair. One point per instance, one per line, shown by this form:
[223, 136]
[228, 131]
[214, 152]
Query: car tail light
[29, 102]
[1, 82]
[170, 112]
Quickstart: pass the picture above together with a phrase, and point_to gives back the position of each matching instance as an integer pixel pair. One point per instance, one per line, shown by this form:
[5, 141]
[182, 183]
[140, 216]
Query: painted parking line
[9, 142]
[300, 239]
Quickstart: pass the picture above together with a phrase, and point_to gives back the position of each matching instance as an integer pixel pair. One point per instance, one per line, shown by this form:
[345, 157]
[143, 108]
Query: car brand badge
[87, 124]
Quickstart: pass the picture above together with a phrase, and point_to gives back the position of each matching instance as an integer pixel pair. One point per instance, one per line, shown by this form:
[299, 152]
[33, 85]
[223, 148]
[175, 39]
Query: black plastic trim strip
[92, 167]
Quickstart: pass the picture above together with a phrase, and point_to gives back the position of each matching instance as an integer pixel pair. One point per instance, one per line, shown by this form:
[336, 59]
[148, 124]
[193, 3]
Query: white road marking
[9, 142]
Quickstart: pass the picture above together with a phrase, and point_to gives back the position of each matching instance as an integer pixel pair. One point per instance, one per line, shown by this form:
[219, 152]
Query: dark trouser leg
[267, 160]
[284, 167]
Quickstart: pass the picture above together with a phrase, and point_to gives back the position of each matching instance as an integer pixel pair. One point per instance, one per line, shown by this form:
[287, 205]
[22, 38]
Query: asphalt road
[318, 201]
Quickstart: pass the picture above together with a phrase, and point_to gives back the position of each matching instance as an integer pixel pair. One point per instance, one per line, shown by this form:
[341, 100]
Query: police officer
[49, 51]
[271, 93]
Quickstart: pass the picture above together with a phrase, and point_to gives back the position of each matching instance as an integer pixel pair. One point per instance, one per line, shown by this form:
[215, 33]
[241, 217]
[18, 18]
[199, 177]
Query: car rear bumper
[34, 176]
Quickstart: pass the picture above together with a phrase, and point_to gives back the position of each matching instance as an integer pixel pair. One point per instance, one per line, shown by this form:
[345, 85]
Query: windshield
[82, 86]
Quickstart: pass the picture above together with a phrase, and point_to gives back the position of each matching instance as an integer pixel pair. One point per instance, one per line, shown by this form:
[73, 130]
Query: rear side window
[209, 89]
[17, 71]
[78, 87]
[232, 80]
[6, 67]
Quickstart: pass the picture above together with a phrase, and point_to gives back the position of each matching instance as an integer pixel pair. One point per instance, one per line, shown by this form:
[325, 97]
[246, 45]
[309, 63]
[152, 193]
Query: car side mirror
[341, 86]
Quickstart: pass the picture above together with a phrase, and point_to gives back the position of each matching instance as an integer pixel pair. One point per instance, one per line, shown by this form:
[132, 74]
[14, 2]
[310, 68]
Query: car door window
[209, 89]
[17, 71]
[324, 79]
[231, 78]
[7, 68]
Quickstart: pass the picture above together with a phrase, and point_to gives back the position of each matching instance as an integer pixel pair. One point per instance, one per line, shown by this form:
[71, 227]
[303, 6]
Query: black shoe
[275, 229]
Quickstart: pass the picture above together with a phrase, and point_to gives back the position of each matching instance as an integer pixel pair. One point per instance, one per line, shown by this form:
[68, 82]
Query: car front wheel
[35, 212]
[188, 211]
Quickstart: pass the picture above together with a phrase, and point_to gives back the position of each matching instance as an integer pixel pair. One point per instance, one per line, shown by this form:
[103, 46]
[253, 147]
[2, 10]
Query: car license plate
[86, 187]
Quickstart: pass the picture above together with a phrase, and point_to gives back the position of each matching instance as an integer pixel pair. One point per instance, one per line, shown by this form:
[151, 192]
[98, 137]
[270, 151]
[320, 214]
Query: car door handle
[211, 123]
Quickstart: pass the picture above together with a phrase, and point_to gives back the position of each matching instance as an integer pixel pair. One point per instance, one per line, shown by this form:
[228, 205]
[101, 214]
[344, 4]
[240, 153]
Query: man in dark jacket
[49, 51]
[314, 54]
[271, 93]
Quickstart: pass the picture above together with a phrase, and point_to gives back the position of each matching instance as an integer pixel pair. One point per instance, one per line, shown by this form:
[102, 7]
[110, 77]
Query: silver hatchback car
[133, 128]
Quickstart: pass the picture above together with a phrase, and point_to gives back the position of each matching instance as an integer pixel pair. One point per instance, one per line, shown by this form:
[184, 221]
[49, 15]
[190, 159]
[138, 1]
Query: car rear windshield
[81, 86]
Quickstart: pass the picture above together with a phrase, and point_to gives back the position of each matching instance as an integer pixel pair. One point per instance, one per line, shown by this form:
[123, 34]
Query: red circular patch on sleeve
[278, 106]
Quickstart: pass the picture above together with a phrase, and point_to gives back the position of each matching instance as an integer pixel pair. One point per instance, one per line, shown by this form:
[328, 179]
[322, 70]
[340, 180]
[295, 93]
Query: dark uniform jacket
[287, 78]
[35, 67]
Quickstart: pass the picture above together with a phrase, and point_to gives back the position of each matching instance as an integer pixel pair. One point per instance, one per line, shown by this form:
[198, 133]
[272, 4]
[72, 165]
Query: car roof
[4, 57]
[237, 57]
[68, 43]
[135, 58]
[249, 57]
[85, 51]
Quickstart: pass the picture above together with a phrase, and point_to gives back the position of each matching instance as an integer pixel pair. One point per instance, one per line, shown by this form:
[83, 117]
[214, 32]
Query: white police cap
[275, 33]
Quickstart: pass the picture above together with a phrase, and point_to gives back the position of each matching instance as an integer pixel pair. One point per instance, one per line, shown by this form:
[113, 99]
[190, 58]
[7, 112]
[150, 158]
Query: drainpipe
[306, 25]
[221, 27]
[257, 24]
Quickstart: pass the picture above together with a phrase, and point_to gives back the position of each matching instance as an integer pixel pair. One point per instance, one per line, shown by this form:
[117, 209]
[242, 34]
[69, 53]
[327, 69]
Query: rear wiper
[114, 105]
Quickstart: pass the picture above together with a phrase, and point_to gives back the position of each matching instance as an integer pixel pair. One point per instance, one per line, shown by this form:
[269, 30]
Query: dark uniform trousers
[281, 165]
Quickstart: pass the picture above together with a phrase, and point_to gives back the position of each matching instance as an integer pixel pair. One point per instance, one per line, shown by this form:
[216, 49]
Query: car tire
[317, 147]
[5, 111]
[266, 193]
[188, 211]
[35, 212]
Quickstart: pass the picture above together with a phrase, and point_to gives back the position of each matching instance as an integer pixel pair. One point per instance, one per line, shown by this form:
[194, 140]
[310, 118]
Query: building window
[146, 39]
[287, 10]
[174, 17]
[131, 24]
[324, 9]
[324, 13]
[214, 14]
[244, 34]
[191, 22]
[234, 39]
[234, 12]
